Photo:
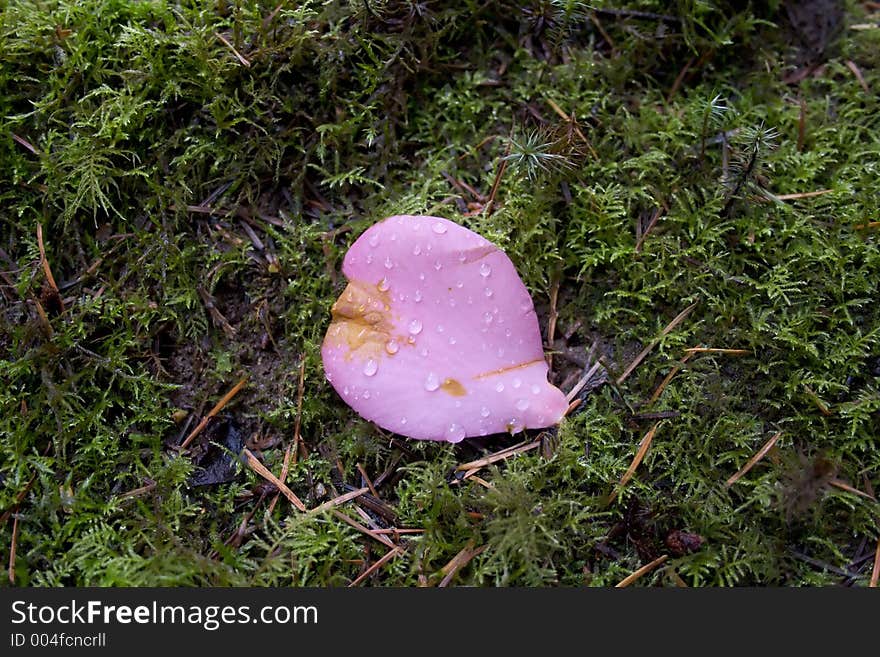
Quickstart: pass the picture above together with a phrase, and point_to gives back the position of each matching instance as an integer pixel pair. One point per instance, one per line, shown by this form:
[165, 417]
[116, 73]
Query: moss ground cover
[688, 189]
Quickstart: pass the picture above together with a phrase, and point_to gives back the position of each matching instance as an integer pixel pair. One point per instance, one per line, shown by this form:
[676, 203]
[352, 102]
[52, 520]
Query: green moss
[198, 171]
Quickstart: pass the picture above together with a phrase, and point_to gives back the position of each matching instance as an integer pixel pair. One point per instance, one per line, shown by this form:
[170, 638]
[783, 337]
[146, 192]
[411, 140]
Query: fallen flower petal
[436, 336]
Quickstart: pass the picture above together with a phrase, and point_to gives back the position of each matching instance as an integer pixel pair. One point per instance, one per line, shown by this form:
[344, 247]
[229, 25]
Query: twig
[842, 485]
[851, 65]
[648, 228]
[640, 454]
[669, 327]
[237, 54]
[822, 406]
[680, 78]
[551, 320]
[264, 472]
[393, 552]
[497, 182]
[367, 481]
[24, 142]
[791, 197]
[285, 468]
[665, 382]
[459, 561]
[299, 403]
[584, 380]
[137, 492]
[500, 455]
[384, 540]
[44, 263]
[629, 579]
[870, 224]
[12, 549]
[716, 350]
[875, 573]
[341, 499]
[752, 461]
[217, 408]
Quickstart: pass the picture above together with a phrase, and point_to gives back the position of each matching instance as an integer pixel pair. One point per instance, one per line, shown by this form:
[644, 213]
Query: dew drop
[536, 389]
[403, 420]
[345, 390]
[507, 332]
[374, 239]
[366, 394]
[440, 328]
[415, 327]
[522, 404]
[500, 352]
[485, 270]
[417, 250]
[488, 317]
[417, 297]
[410, 339]
[369, 258]
[371, 367]
[526, 305]
[439, 228]
[499, 387]
[432, 382]
[422, 276]
[438, 265]
[459, 285]
[383, 285]
[461, 256]
[484, 412]
[452, 340]
[388, 263]
[393, 237]
[424, 352]
[455, 433]
[392, 347]
[488, 292]
[517, 383]
[452, 303]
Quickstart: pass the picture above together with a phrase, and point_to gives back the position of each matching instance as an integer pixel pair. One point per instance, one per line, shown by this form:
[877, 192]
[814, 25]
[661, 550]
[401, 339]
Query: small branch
[669, 327]
[629, 579]
[12, 549]
[238, 55]
[217, 408]
[752, 461]
[264, 472]
[640, 454]
[393, 552]
[499, 456]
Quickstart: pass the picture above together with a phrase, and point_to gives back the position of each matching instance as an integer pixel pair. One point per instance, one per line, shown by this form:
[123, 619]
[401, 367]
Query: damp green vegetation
[196, 171]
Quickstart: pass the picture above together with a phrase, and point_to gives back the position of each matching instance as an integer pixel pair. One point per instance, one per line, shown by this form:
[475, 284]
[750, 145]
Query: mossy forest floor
[688, 189]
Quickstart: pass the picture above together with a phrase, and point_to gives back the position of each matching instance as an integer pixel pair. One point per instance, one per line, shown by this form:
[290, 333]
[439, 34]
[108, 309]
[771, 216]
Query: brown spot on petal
[453, 387]
[361, 320]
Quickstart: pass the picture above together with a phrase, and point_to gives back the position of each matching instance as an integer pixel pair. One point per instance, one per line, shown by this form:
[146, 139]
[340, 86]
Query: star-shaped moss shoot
[436, 337]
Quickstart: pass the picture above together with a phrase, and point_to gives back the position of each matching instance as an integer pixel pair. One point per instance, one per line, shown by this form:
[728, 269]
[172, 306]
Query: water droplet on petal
[439, 228]
[440, 328]
[403, 420]
[369, 258]
[432, 382]
[452, 340]
[383, 285]
[388, 263]
[459, 285]
[461, 256]
[522, 404]
[536, 389]
[499, 387]
[422, 276]
[455, 433]
[484, 412]
[366, 394]
[345, 390]
[438, 265]
[417, 249]
[392, 347]
[488, 292]
[371, 367]
[485, 269]
[517, 383]
[424, 352]
[374, 239]
[393, 237]
[488, 317]
[415, 327]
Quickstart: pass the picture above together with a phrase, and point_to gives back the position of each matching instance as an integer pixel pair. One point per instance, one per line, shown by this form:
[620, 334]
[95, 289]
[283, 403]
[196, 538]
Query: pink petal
[436, 336]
